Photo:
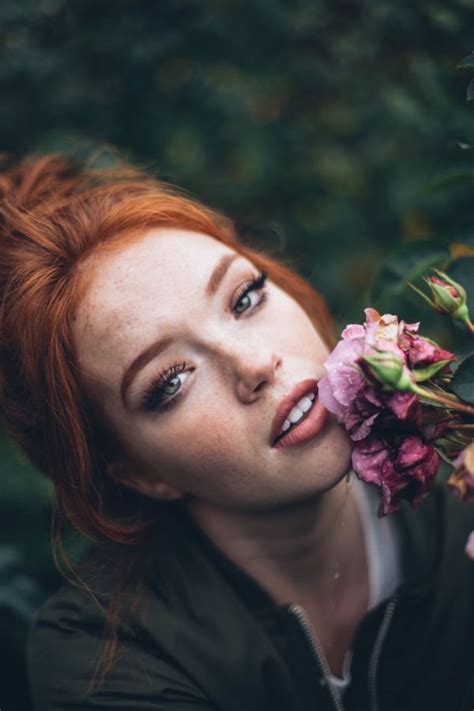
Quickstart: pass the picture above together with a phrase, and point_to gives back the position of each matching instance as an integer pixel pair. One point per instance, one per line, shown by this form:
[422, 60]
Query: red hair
[54, 212]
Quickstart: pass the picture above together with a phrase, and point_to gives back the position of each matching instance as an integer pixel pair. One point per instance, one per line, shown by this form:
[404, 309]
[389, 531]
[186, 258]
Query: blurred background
[338, 130]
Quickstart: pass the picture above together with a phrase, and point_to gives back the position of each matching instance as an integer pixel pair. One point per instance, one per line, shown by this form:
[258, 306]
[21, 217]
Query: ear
[154, 488]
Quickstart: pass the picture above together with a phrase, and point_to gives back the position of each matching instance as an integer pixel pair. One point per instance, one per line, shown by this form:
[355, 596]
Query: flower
[387, 370]
[403, 466]
[444, 289]
[447, 296]
[421, 352]
[368, 385]
[344, 390]
[461, 480]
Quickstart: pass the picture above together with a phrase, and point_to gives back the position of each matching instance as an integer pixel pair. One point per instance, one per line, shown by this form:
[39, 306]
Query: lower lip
[307, 428]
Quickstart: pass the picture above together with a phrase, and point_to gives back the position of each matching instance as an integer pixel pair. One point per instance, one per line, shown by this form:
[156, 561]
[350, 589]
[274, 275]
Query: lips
[305, 387]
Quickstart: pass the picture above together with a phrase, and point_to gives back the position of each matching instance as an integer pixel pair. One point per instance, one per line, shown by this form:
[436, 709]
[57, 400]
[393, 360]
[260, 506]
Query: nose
[250, 366]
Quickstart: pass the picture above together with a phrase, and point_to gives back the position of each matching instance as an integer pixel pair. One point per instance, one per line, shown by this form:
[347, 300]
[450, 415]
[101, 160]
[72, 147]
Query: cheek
[201, 447]
[215, 443]
[207, 469]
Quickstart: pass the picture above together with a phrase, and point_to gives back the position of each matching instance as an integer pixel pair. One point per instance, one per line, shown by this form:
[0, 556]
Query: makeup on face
[205, 374]
[155, 396]
[306, 428]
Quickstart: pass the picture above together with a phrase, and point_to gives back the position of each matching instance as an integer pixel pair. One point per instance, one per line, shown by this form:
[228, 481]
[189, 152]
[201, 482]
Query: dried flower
[344, 389]
[403, 466]
[370, 385]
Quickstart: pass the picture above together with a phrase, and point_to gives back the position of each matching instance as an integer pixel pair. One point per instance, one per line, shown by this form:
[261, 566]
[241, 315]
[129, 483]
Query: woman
[164, 375]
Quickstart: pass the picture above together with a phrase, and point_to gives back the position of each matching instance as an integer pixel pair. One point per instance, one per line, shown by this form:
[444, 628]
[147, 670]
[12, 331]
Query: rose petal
[403, 405]
[353, 330]
[327, 398]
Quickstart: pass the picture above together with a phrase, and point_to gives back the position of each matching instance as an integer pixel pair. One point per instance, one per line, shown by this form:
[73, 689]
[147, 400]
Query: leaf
[422, 374]
[405, 264]
[462, 383]
[450, 178]
[458, 250]
[459, 361]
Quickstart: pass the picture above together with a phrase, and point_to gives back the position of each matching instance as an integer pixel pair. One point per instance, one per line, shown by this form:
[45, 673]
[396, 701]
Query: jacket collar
[198, 615]
[211, 615]
[420, 535]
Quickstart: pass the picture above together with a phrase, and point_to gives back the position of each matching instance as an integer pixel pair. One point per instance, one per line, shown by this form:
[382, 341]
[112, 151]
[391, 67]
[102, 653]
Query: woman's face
[233, 361]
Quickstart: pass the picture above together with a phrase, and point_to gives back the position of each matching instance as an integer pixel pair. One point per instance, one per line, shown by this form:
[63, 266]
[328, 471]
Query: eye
[170, 384]
[256, 284]
[165, 387]
[161, 393]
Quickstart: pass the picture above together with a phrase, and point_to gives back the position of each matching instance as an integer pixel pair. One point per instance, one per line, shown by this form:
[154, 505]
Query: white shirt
[383, 555]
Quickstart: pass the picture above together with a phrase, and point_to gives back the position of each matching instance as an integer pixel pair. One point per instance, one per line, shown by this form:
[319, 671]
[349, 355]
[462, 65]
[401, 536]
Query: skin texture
[214, 444]
[287, 515]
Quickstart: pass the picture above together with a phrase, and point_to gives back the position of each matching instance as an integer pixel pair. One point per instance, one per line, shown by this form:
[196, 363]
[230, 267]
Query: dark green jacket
[208, 637]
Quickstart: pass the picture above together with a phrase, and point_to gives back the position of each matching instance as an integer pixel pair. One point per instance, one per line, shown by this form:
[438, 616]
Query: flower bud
[447, 297]
[447, 294]
[444, 288]
[386, 369]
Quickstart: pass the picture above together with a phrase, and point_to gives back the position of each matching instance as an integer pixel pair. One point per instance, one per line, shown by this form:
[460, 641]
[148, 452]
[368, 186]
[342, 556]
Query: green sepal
[420, 293]
[422, 374]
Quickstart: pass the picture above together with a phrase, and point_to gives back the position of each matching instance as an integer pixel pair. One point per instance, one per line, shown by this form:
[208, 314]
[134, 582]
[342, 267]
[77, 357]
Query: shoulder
[180, 617]
[67, 638]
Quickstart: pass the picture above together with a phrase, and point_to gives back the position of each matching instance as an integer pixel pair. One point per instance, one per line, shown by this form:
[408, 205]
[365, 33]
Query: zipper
[300, 615]
[375, 656]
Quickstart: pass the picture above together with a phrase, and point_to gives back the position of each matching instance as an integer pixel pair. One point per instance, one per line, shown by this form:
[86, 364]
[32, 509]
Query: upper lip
[286, 405]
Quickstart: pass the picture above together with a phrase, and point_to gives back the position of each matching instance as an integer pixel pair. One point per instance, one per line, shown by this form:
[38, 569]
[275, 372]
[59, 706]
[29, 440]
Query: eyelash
[154, 396]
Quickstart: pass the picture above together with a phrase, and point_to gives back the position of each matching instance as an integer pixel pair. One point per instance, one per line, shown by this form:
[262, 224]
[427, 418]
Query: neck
[313, 551]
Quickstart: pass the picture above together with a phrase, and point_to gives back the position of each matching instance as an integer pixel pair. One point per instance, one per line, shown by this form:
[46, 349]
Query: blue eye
[157, 390]
[158, 395]
[254, 285]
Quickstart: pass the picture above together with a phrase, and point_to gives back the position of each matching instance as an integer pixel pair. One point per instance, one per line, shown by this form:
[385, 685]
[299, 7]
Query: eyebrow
[154, 350]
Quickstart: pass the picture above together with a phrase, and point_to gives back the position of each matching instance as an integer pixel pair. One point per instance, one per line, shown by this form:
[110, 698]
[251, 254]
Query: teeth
[305, 404]
[297, 412]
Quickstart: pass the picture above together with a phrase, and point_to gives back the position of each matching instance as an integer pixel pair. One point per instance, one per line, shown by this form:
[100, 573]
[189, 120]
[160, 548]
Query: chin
[335, 455]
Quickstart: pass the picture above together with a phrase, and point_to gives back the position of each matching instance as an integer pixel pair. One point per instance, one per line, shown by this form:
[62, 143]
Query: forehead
[155, 279]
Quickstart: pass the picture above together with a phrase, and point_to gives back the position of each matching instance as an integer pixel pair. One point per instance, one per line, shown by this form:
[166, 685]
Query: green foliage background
[327, 127]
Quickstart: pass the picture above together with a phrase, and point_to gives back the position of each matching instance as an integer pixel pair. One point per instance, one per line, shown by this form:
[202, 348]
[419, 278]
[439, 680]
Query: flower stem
[443, 400]
[454, 426]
